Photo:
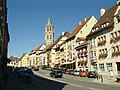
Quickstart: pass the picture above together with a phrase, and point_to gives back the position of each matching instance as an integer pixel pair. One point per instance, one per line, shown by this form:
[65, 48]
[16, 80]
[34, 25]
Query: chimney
[118, 2]
[79, 23]
[102, 11]
[63, 33]
[85, 19]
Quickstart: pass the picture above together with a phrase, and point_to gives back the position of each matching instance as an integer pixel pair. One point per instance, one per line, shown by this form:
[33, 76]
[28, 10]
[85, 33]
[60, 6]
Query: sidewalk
[107, 80]
[14, 83]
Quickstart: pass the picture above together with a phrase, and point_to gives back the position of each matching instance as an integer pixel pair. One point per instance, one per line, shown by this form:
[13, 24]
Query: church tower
[49, 33]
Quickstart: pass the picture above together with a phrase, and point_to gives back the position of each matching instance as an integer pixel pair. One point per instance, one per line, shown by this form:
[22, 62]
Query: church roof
[49, 21]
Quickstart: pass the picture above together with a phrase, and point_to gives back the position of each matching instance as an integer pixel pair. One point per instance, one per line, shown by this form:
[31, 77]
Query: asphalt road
[45, 82]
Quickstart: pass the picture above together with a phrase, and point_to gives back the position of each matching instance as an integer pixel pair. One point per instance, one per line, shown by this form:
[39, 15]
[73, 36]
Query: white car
[76, 73]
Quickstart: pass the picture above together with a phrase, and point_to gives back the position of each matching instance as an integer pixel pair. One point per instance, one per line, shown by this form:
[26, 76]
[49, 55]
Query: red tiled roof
[78, 28]
[38, 48]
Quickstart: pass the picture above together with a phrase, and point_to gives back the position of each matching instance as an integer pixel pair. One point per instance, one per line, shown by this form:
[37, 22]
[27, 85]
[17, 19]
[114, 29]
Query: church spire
[49, 33]
[49, 21]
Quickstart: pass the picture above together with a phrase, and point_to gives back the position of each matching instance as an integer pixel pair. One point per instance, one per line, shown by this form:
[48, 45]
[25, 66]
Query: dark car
[43, 67]
[56, 73]
[92, 74]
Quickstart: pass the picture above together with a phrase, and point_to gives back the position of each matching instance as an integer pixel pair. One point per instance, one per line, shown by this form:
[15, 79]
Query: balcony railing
[114, 39]
[116, 53]
[102, 55]
[101, 43]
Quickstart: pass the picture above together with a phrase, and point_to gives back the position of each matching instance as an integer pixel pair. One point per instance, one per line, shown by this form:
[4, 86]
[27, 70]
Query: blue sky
[27, 20]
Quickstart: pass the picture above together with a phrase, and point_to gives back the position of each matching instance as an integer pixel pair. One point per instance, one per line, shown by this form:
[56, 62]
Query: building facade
[104, 42]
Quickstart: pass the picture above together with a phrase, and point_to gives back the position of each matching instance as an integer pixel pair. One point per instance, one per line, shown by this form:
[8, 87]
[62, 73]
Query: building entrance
[118, 67]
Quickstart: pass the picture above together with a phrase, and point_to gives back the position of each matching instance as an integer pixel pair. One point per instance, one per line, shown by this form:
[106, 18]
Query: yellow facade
[24, 60]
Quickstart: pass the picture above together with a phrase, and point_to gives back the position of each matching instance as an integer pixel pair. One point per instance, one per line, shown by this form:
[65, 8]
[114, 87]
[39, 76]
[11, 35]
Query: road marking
[76, 85]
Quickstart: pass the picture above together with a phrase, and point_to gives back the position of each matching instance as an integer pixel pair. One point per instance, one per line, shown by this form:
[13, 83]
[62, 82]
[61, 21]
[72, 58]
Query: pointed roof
[78, 28]
[49, 21]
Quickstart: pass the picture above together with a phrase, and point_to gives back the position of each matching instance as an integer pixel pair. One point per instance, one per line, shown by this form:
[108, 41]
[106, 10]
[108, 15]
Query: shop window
[109, 66]
[101, 67]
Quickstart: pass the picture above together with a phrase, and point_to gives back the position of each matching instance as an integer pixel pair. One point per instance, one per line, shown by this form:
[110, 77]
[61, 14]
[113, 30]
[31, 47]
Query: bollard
[101, 78]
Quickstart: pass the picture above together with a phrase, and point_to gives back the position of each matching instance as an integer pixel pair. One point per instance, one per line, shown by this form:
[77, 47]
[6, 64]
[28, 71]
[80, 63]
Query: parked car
[36, 68]
[83, 73]
[71, 72]
[56, 73]
[92, 74]
[67, 71]
[43, 67]
[76, 73]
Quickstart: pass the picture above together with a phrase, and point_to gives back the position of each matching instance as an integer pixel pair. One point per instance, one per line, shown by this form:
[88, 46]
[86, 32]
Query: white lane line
[38, 74]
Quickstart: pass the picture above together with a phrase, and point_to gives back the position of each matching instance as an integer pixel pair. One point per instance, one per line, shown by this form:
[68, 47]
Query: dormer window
[107, 23]
[94, 29]
[97, 28]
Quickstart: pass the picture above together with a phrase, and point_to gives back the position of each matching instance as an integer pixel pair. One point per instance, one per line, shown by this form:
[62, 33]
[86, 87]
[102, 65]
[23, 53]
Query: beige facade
[81, 31]
[105, 43]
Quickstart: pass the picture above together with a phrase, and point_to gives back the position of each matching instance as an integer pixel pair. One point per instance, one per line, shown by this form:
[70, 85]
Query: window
[90, 42]
[94, 41]
[115, 34]
[50, 36]
[112, 35]
[101, 67]
[105, 51]
[118, 33]
[100, 51]
[47, 29]
[117, 48]
[109, 66]
[94, 53]
[47, 36]
[113, 49]
[91, 53]
[98, 39]
[118, 18]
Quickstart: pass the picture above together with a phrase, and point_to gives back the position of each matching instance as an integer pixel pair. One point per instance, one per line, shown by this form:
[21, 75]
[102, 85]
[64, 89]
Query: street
[42, 81]
[68, 82]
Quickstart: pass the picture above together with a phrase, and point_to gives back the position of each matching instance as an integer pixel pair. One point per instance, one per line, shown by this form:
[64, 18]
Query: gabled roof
[106, 17]
[23, 56]
[78, 28]
[12, 58]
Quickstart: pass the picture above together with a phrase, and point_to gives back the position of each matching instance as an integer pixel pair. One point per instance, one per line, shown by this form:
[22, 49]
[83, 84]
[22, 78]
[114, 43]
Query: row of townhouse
[94, 45]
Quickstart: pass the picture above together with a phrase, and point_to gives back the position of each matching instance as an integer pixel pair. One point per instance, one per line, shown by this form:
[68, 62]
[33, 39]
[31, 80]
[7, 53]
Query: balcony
[101, 43]
[102, 55]
[116, 53]
[114, 39]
